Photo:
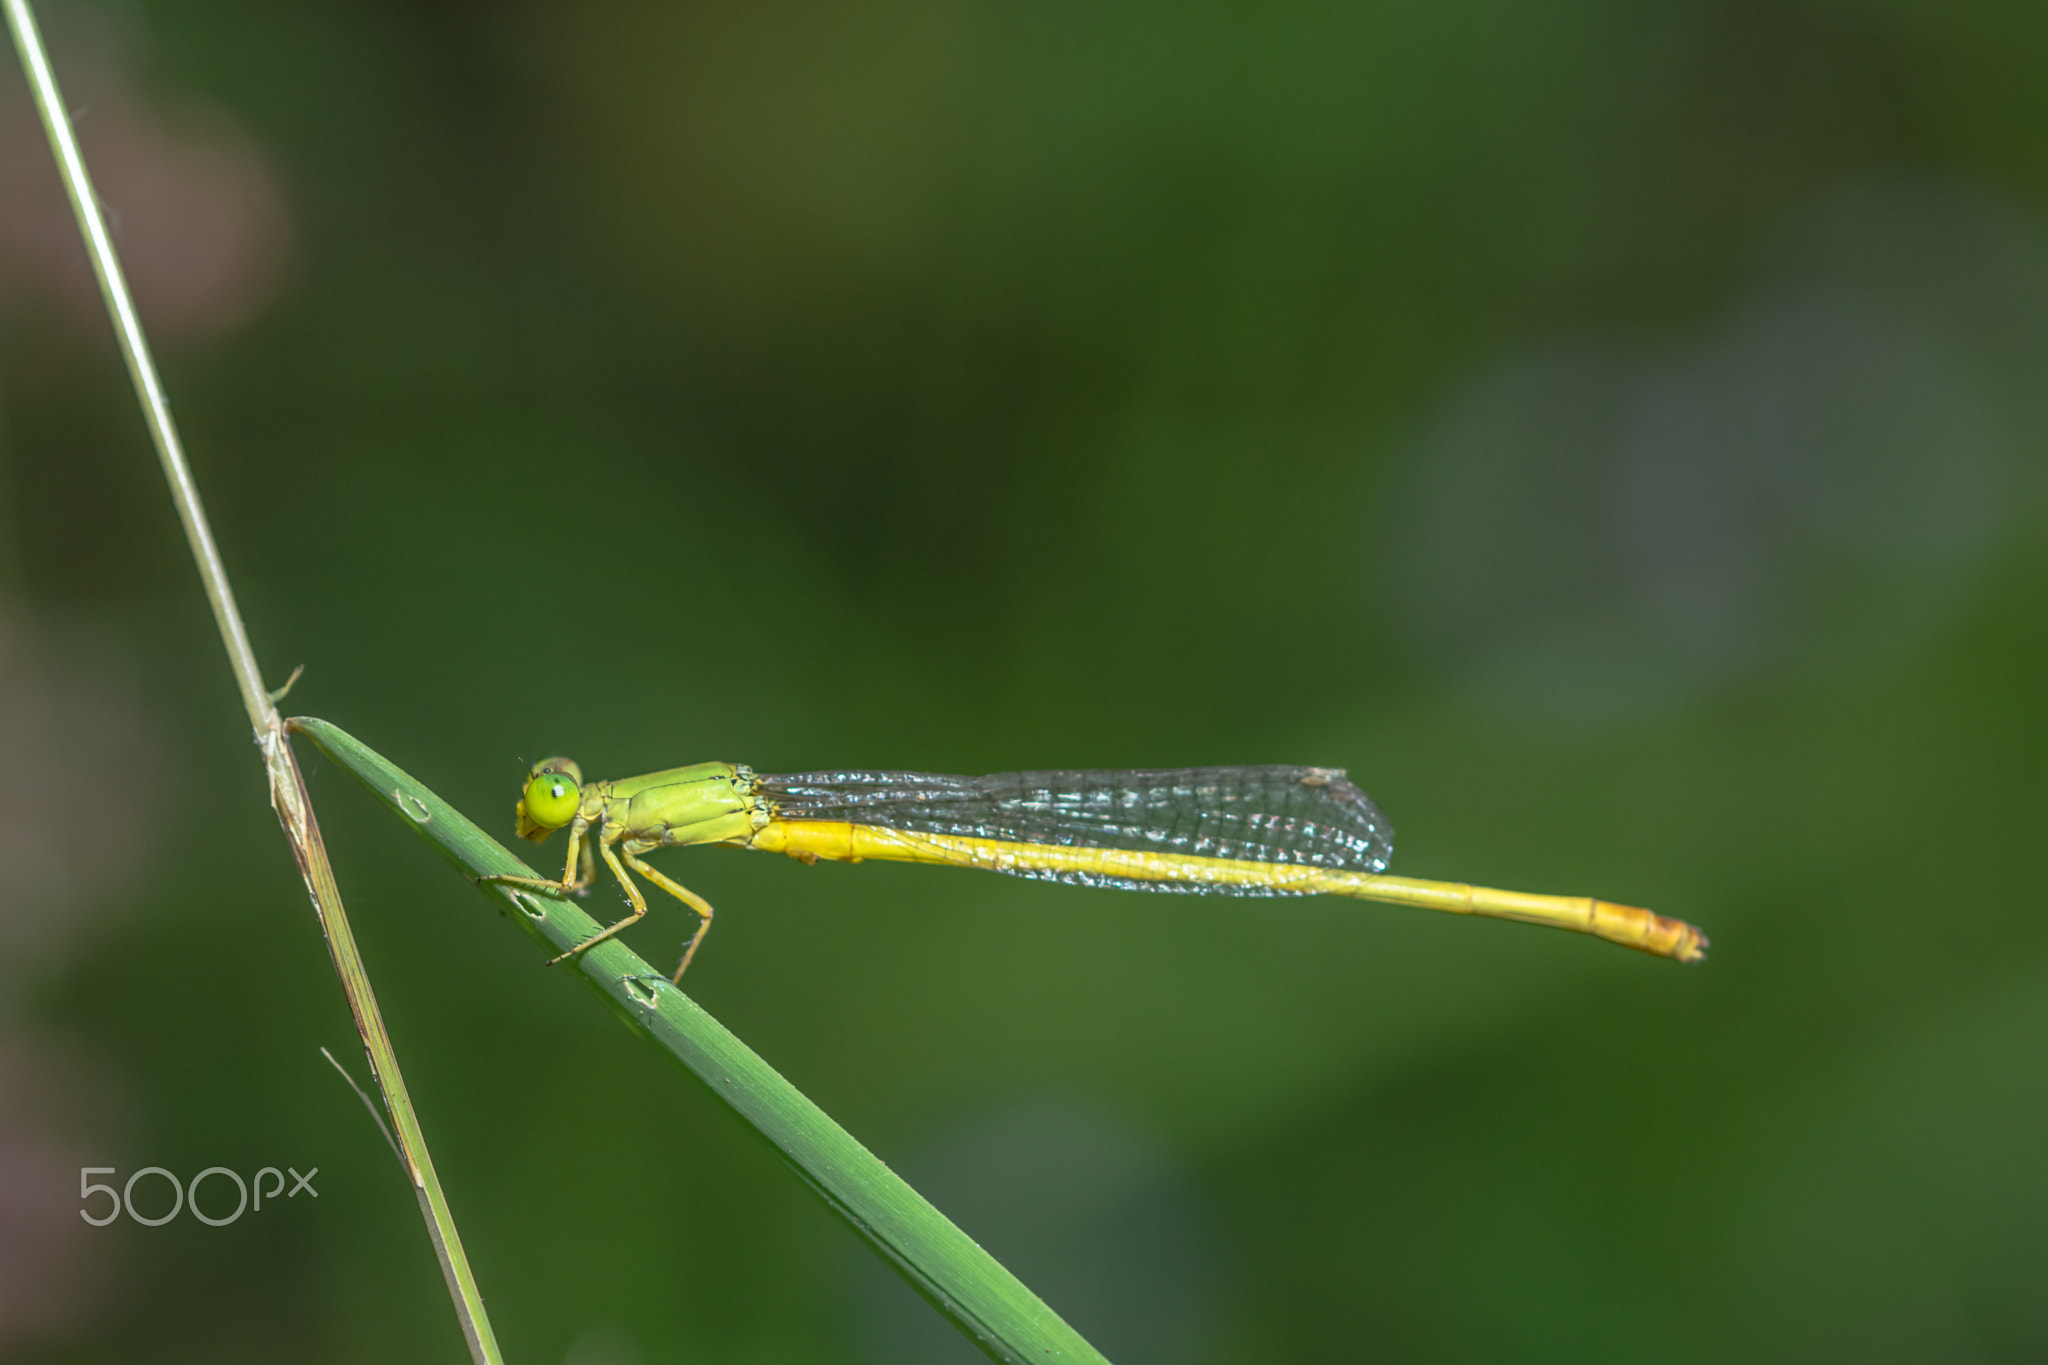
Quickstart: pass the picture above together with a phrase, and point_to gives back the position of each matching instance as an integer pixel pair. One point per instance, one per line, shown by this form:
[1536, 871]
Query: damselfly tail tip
[1644, 930]
[1696, 949]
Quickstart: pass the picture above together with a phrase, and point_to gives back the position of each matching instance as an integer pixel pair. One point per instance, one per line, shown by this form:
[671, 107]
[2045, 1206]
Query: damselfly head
[553, 792]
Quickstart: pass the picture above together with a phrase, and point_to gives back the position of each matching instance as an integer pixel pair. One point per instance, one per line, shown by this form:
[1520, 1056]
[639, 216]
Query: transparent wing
[1312, 816]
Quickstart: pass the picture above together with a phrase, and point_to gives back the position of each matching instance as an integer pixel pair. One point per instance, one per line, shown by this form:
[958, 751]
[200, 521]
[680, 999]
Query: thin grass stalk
[287, 786]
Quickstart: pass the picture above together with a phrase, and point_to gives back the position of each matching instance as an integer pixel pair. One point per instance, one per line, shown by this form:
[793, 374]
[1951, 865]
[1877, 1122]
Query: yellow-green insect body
[705, 803]
[1262, 830]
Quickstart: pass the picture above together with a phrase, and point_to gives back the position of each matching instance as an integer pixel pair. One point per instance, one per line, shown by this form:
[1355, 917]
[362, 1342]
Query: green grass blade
[941, 1262]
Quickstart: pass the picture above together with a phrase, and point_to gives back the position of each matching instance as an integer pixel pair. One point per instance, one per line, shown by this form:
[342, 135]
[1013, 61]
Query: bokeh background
[1616, 432]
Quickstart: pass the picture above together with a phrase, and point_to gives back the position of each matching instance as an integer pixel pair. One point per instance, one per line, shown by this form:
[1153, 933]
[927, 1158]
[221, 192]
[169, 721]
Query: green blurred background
[1613, 431]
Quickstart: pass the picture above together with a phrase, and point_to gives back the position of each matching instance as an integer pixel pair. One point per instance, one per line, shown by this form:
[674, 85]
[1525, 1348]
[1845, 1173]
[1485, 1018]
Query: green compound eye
[551, 799]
